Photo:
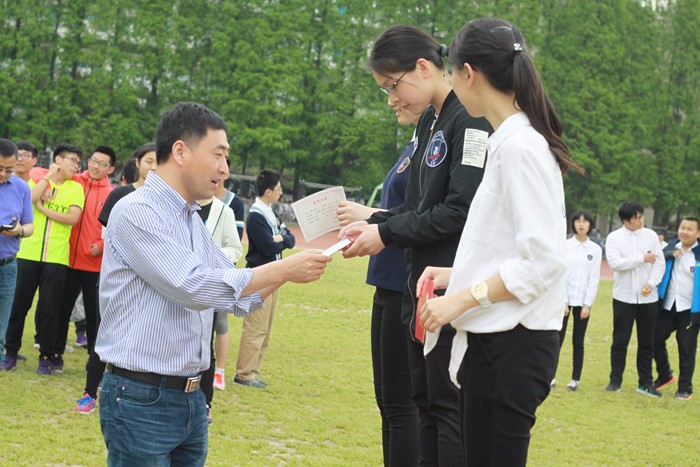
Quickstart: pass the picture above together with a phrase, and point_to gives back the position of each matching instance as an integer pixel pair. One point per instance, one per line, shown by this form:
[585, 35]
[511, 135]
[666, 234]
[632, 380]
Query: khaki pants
[255, 338]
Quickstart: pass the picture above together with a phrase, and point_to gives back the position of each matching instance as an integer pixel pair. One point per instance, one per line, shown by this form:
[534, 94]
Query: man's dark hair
[64, 148]
[7, 148]
[25, 145]
[692, 219]
[108, 151]
[586, 215]
[629, 209]
[130, 173]
[144, 149]
[187, 121]
[266, 180]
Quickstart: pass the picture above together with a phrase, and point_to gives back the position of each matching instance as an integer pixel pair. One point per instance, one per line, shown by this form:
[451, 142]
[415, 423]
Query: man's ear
[179, 150]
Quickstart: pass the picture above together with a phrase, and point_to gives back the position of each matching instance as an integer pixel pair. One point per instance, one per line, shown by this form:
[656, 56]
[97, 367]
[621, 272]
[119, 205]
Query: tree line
[291, 79]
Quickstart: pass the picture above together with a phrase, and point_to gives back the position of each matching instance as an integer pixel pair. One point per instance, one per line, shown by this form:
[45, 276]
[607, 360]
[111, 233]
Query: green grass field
[319, 407]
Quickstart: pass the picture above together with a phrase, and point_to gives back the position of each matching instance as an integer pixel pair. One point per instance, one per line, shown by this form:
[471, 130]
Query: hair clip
[444, 51]
[517, 47]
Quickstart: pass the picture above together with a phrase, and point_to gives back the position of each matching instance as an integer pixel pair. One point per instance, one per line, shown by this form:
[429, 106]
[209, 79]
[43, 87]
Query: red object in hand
[425, 294]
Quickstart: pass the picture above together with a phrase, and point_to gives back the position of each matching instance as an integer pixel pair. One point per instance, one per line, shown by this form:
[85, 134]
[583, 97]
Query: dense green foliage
[291, 79]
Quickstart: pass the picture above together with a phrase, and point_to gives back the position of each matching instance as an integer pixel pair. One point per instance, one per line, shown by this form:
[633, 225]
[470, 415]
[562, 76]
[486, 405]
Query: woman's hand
[349, 212]
[441, 310]
[364, 238]
[439, 276]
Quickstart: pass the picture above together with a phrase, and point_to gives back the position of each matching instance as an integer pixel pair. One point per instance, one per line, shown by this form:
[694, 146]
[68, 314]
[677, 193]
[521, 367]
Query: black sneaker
[683, 396]
[57, 365]
[661, 383]
[648, 391]
[252, 383]
[613, 387]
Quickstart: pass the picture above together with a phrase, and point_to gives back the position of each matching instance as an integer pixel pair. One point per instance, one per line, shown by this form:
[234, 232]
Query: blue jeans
[8, 281]
[147, 425]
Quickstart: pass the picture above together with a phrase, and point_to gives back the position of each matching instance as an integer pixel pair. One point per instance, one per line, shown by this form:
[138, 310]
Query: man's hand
[365, 240]
[304, 267]
[649, 257]
[567, 310]
[646, 290]
[95, 250]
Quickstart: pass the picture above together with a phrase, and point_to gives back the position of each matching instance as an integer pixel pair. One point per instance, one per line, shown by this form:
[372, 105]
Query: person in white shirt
[634, 254]
[680, 295]
[583, 258]
[506, 289]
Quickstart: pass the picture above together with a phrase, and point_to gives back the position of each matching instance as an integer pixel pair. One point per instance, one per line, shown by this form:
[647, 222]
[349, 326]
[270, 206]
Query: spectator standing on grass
[27, 156]
[16, 212]
[392, 376]
[679, 292]
[222, 341]
[634, 254]
[42, 260]
[267, 238]
[221, 224]
[583, 259]
[162, 279]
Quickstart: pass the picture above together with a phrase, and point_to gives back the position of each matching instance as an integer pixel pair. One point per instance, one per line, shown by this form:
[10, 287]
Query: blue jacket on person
[663, 286]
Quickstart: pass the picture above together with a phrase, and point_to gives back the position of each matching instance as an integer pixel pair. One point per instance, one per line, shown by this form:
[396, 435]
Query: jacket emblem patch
[437, 150]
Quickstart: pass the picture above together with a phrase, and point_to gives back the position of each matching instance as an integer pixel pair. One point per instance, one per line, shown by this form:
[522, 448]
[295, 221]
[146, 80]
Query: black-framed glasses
[98, 163]
[74, 160]
[392, 89]
[24, 155]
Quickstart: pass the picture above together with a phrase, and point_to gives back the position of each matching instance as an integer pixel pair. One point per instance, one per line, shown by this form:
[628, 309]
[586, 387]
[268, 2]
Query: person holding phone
[17, 221]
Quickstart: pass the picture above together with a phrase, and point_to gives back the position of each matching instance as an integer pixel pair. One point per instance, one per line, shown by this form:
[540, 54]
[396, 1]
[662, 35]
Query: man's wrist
[21, 232]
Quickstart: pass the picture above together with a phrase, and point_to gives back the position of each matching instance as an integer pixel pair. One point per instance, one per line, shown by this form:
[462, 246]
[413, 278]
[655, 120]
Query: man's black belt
[182, 383]
[8, 260]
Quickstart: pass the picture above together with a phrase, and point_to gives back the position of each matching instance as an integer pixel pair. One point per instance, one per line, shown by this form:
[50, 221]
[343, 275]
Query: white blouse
[516, 228]
[582, 271]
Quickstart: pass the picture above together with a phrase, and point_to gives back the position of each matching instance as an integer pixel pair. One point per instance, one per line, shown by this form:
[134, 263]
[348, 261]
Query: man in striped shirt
[162, 279]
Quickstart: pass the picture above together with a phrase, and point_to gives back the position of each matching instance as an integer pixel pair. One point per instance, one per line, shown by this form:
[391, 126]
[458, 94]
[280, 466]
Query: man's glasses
[74, 160]
[392, 89]
[7, 170]
[24, 155]
[98, 163]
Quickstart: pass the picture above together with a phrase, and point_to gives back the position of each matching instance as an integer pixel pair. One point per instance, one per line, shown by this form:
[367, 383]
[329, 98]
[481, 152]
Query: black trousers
[77, 281]
[392, 380]
[505, 377]
[437, 398]
[687, 339]
[49, 278]
[580, 326]
[624, 317]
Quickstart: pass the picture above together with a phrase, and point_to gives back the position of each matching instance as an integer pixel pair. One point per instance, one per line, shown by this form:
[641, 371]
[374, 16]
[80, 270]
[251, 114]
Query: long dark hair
[398, 49]
[497, 50]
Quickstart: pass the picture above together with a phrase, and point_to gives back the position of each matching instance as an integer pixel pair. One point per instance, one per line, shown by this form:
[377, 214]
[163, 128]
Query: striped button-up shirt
[162, 278]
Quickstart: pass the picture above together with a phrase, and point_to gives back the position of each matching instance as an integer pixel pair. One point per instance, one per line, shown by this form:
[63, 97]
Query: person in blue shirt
[17, 219]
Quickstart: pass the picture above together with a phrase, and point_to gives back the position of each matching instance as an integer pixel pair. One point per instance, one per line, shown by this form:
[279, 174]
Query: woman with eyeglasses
[444, 174]
[504, 293]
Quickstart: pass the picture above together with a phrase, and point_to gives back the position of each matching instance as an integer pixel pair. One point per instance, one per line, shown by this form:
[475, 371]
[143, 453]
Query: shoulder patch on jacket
[437, 150]
[474, 151]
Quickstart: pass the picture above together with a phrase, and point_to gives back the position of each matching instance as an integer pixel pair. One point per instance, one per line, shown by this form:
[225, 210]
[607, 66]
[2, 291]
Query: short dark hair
[7, 148]
[25, 145]
[144, 149]
[108, 151]
[692, 219]
[266, 180]
[187, 121]
[130, 173]
[629, 209]
[586, 215]
[65, 148]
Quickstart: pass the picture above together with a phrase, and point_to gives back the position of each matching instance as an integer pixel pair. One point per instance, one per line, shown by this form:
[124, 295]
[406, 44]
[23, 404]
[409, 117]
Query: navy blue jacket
[262, 249]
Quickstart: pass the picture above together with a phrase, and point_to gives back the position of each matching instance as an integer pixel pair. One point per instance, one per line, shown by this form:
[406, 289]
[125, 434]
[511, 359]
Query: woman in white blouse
[504, 292]
[583, 259]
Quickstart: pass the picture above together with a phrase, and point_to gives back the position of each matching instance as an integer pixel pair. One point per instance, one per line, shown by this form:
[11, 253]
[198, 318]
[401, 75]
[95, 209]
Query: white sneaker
[219, 381]
[553, 384]
[573, 385]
